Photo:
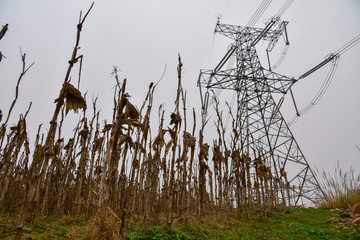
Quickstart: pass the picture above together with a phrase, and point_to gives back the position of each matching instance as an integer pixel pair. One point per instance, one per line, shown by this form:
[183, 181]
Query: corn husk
[74, 100]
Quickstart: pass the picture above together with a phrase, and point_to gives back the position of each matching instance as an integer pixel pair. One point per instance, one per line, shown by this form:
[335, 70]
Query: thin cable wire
[260, 12]
[284, 8]
[227, 4]
[261, 9]
[348, 45]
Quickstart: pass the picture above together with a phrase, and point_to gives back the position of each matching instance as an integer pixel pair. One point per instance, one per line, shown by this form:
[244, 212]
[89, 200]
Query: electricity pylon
[258, 118]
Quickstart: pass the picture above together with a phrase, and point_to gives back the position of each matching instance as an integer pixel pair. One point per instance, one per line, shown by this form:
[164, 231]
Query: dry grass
[102, 227]
[342, 188]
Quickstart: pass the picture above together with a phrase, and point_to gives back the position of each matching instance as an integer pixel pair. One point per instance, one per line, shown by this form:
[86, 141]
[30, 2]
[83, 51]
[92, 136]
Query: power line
[284, 8]
[261, 9]
[348, 45]
[227, 4]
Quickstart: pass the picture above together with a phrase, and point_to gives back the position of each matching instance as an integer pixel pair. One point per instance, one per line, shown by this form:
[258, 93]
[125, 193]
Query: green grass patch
[280, 223]
[50, 227]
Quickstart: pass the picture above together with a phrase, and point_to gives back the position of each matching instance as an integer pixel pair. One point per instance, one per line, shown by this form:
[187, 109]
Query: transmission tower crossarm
[265, 31]
[227, 30]
[320, 65]
[275, 37]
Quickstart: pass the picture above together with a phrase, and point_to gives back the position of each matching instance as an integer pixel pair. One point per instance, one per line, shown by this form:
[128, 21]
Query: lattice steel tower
[258, 118]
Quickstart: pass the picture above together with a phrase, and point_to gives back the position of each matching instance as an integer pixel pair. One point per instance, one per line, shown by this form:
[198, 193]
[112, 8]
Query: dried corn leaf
[74, 100]
[97, 143]
[134, 123]
[175, 118]
[236, 134]
[245, 159]
[145, 125]
[217, 155]
[189, 139]
[235, 155]
[70, 144]
[1, 115]
[14, 128]
[58, 146]
[3, 30]
[178, 160]
[84, 133]
[173, 133]
[168, 145]
[227, 153]
[204, 151]
[263, 169]
[282, 172]
[127, 139]
[257, 161]
[107, 127]
[131, 112]
[2, 131]
[159, 140]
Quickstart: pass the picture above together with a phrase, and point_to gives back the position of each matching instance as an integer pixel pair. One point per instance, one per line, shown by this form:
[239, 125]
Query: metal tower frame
[258, 118]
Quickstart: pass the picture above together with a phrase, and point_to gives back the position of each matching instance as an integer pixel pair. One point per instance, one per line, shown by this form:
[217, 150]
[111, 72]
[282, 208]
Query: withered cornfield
[119, 169]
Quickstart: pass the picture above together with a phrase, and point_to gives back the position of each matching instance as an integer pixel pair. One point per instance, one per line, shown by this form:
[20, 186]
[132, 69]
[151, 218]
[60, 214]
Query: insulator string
[282, 57]
[319, 94]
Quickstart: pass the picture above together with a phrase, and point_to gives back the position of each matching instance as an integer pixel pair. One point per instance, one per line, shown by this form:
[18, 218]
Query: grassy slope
[287, 223]
[282, 223]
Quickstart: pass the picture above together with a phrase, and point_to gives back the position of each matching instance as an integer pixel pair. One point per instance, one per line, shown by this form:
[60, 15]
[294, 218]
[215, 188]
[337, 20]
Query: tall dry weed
[342, 188]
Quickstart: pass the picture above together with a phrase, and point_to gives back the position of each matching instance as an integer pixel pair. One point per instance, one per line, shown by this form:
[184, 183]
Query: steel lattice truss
[258, 118]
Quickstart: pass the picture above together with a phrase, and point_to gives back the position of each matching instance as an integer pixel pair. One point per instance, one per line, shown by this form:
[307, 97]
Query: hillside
[280, 223]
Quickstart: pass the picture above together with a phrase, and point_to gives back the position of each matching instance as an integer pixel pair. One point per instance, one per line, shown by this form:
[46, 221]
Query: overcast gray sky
[140, 37]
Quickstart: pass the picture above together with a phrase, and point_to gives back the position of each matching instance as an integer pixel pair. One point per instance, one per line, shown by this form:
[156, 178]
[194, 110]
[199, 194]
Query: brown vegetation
[121, 170]
[341, 188]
